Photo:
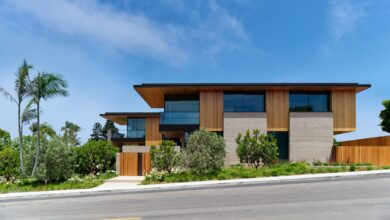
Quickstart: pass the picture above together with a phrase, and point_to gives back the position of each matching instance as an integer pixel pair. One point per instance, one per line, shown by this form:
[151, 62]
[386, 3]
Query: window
[309, 102]
[181, 109]
[135, 128]
[243, 102]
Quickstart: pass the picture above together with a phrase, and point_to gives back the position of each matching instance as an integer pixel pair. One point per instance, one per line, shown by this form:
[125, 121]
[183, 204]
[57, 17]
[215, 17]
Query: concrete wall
[141, 149]
[118, 163]
[239, 122]
[311, 136]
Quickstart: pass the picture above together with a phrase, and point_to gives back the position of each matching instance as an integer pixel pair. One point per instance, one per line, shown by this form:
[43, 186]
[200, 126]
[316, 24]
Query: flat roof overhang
[153, 94]
[121, 117]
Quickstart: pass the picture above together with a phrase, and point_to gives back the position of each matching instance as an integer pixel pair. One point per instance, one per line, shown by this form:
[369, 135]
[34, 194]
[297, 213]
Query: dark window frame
[180, 97]
[327, 93]
[263, 93]
[127, 128]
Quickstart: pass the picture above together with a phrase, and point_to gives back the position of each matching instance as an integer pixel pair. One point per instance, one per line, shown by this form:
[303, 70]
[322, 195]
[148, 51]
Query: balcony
[128, 135]
[179, 121]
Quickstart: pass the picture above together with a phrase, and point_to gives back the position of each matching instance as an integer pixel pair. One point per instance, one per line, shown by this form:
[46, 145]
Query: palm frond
[48, 85]
[29, 113]
[7, 95]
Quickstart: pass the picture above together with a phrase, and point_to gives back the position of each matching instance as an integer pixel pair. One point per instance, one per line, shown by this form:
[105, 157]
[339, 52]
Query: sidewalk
[128, 184]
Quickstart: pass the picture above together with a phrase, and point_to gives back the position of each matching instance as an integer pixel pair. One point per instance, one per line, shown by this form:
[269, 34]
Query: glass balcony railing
[128, 134]
[179, 118]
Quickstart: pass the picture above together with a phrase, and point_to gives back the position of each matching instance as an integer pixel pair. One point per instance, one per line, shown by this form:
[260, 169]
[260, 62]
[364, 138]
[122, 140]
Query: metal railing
[179, 118]
[128, 134]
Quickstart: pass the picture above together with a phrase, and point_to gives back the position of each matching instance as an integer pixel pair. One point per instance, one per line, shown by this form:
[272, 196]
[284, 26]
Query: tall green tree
[5, 139]
[97, 132]
[385, 116]
[109, 126]
[45, 86]
[70, 131]
[21, 91]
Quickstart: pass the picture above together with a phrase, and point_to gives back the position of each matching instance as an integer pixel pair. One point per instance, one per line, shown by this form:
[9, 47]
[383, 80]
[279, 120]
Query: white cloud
[129, 32]
[208, 26]
[344, 18]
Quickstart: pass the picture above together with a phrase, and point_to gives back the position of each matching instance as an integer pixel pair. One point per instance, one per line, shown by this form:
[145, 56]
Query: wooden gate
[135, 164]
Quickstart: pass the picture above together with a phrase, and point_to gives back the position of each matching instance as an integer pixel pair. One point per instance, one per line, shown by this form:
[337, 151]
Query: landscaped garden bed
[75, 182]
[238, 171]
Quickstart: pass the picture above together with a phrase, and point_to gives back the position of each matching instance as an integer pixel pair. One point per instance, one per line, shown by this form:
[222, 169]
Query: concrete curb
[188, 185]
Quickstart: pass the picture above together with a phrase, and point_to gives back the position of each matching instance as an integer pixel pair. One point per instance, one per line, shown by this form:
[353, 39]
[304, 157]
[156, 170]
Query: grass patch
[76, 182]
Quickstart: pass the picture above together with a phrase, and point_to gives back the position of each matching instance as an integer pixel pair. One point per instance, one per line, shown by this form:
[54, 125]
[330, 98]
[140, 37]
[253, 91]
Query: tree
[97, 133]
[45, 86]
[21, 90]
[56, 162]
[9, 163]
[45, 131]
[94, 157]
[109, 126]
[165, 158]
[205, 152]
[5, 139]
[70, 131]
[385, 116]
[256, 149]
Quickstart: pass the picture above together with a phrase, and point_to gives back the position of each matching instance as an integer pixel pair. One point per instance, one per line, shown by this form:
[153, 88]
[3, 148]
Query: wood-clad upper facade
[205, 106]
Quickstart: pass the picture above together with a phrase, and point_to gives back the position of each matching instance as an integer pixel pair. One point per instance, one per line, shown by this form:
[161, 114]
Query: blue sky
[103, 48]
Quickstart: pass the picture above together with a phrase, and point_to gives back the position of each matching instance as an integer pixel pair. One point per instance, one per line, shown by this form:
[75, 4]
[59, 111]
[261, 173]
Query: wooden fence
[370, 150]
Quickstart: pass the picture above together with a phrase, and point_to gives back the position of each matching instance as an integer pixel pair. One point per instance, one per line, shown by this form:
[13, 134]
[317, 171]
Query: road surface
[344, 198]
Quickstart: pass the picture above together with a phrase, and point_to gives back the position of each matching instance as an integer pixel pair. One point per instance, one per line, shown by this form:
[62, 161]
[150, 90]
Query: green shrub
[165, 158]
[94, 157]
[352, 167]
[56, 162]
[9, 163]
[257, 149]
[205, 152]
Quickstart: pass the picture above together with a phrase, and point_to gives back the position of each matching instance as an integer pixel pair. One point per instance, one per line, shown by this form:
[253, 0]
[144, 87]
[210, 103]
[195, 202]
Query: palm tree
[45, 128]
[45, 86]
[70, 133]
[21, 90]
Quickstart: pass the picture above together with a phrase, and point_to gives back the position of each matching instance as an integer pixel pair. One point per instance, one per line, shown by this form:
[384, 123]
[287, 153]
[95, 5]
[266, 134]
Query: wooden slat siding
[211, 110]
[374, 141]
[154, 96]
[277, 110]
[129, 164]
[343, 106]
[146, 163]
[376, 155]
[153, 135]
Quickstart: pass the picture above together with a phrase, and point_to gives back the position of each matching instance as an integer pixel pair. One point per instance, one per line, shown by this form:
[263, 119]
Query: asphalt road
[346, 198]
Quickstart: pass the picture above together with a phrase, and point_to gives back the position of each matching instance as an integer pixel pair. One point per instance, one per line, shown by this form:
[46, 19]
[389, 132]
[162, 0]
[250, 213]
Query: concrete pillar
[239, 122]
[311, 136]
[118, 163]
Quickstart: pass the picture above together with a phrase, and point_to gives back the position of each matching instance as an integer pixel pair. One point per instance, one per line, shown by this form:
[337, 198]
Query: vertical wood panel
[211, 110]
[343, 105]
[374, 141]
[146, 163]
[129, 164]
[376, 155]
[153, 135]
[277, 110]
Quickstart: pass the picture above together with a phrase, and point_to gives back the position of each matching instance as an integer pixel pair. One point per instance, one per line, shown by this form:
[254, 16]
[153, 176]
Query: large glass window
[135, 128]
[181, 109]
[309, 102]
[239, 102]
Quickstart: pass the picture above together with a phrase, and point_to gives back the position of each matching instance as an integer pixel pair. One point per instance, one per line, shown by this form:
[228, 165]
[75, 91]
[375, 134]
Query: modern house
[304, 117]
